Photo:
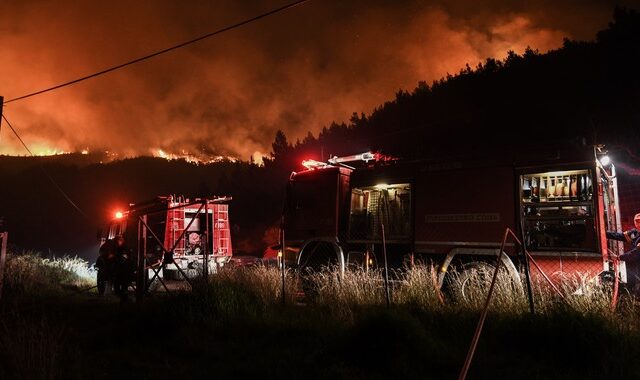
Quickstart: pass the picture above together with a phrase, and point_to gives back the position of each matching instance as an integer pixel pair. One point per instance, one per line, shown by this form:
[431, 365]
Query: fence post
[527, 275]
[3, 257]
[386, 266]
[141, 285]
[283, 248]
[485, 309]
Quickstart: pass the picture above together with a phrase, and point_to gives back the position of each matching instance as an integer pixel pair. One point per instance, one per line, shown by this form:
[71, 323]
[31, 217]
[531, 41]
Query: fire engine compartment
[557, 211]
[381, 204]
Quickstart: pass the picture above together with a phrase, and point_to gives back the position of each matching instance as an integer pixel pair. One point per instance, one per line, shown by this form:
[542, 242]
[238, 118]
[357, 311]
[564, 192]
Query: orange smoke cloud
[227, 96]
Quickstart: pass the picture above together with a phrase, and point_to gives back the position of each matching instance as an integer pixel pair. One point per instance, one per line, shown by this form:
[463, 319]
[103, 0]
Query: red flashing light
[119, 214]
[313, 164]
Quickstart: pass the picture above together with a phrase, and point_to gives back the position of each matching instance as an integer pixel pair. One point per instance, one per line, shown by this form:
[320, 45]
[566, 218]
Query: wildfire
[192, 158]
[49, 152]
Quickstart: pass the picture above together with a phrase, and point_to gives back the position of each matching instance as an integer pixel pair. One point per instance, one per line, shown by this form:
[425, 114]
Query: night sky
[297, 71]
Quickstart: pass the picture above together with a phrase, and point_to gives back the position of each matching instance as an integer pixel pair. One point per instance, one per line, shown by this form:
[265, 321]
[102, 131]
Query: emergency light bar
[366, 157]
[340, 161]
[313, 164]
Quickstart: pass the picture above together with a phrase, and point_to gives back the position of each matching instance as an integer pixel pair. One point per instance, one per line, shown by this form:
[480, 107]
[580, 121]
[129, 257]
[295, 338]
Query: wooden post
[386, 267]
[142, 274]
[3, 256]
[282, 267]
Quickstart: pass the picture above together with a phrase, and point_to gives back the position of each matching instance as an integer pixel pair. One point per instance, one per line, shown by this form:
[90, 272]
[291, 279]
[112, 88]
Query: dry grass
[29, 273]
[342, 293]
[240, 307]
[418, 287]
[33, 347]
[264, 282]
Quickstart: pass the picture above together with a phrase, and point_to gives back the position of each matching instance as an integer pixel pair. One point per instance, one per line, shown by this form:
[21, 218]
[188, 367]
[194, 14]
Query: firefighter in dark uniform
[115, 267]
[632, 256]
[123, 269]
[107, 261]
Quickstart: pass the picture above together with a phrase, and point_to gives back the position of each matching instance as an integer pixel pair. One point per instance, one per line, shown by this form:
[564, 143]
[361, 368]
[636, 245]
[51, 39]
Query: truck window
[311, 205]
[557, 211]
[381, 204]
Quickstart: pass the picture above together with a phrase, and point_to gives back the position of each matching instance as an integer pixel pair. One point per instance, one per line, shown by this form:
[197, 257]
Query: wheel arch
[337, 247]
[472, 254]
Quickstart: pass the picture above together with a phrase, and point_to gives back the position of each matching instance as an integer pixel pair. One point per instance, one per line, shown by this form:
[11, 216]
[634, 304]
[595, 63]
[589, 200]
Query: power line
[144, 58]
[55, 184]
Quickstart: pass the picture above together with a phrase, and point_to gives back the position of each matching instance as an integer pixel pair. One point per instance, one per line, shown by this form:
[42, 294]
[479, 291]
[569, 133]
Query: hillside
[583, 93]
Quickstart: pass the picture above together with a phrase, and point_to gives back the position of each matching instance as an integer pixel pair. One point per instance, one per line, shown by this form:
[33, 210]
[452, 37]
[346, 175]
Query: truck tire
[318, 255]
[471, 285]
[315, 257]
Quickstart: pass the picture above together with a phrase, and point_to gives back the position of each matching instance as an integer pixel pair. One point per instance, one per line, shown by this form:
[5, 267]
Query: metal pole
[483, 316]
[283, 248]
[205, 271]
[544, 275]
[162, 263]
[3, 255]
[140, 285]
[366, 261]
[386, 266]
[145, 271]
[527, 275]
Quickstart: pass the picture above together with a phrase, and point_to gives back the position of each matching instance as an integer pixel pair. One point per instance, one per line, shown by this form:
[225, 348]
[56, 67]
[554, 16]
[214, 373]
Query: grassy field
[235, 326]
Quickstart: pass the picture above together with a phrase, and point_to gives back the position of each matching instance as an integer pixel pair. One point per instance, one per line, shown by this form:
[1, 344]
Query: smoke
[297, 71]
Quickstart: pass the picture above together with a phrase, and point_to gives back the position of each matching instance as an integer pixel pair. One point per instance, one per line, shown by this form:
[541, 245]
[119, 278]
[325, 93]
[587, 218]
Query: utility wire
[55, 184]
[149, 56]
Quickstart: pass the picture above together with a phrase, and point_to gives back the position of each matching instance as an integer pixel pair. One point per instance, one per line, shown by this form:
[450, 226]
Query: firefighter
[631, 257]
[123, 269]
[106, 262]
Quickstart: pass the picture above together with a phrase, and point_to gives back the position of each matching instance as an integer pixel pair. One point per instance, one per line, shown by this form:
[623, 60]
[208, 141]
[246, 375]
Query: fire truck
[176, 233]
[453, 212]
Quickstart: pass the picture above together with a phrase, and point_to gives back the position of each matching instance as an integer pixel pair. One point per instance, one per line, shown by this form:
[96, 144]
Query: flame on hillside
[104, 156]
[192, 158]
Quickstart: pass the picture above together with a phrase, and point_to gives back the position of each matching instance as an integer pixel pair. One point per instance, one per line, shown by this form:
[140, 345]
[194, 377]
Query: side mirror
[99, 234]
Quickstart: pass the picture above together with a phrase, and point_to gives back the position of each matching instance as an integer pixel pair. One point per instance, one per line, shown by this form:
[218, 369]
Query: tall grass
[30, 273]
[343, 319]
[33, 347]
[419, 287]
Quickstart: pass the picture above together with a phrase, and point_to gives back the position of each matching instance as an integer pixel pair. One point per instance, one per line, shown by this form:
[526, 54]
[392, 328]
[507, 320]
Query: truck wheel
[473, 283]
[319, 255]
[315, 257]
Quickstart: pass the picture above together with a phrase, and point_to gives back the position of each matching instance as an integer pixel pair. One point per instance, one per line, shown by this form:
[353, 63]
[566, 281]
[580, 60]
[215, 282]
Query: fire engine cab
[180, 233]
[561, 202]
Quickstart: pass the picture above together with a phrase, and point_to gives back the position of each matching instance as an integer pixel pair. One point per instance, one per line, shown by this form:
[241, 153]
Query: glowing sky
[297, 71]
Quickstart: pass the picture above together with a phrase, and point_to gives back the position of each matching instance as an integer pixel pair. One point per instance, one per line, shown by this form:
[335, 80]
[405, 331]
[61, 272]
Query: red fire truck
[187, 230]
[561, 201]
